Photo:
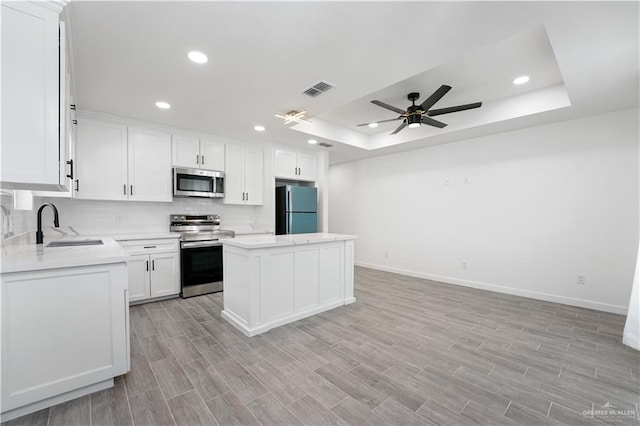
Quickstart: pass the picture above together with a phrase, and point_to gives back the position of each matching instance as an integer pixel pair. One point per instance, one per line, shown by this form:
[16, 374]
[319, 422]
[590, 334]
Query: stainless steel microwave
[197, 183]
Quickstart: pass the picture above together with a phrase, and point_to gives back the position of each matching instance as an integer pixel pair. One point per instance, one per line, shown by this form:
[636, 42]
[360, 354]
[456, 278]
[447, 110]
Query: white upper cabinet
[33, 149]
[116, 163]
[150, 177]
[244, 176]
[211, 155]
[197, 153]
[295, 165]
[186, 151]
[100, 160]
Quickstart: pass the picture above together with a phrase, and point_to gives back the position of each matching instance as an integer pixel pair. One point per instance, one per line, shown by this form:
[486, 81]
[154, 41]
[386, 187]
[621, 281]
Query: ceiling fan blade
[402, 126]
[379, 121]
[390, 107]
[431, 122]
[435, 97]
[454, 109]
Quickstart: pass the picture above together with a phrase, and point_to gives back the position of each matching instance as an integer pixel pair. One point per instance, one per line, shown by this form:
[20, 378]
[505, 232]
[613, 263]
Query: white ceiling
[583, 59]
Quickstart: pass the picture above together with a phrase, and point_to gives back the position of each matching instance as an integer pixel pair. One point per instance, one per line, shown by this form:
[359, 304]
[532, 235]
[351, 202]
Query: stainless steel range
[200, 252]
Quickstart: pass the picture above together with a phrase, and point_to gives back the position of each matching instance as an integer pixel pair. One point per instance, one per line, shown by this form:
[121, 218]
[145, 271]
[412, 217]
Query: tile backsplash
[91, 217]
[15, 223]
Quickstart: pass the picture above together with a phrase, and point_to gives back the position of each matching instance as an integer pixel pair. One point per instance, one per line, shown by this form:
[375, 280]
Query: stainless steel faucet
[39, 235]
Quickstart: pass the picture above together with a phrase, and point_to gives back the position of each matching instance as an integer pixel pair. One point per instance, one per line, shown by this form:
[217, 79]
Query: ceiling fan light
[413, 121]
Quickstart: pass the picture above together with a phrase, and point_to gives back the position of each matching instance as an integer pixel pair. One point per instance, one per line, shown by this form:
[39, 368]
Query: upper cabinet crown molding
[34, 151]
[295, 165]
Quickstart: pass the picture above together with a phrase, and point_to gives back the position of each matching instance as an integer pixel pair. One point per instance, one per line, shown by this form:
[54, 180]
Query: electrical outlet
[446, 182]
[119, 219]
[386, 254]
[464, 264]
[581, 280]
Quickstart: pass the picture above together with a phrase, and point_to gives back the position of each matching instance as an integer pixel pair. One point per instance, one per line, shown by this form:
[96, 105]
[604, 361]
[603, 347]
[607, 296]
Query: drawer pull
[149, 247]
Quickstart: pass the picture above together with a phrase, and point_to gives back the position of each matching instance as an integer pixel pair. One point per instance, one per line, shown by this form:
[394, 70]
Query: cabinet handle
[74, 121]
[124, 189]
[70, 175]
[147, 266]
[247, 196]
[202, 156]
[243, 196]
[131, 188]
[149, 247]
[197, 159]
[153, 265]
[77, 185]
[73, 107]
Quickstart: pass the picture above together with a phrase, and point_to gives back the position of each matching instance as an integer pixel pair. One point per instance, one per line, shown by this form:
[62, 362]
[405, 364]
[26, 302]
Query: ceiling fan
[417, 114]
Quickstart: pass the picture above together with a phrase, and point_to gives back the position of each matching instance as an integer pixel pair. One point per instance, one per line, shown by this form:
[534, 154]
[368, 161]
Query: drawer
[151, 246]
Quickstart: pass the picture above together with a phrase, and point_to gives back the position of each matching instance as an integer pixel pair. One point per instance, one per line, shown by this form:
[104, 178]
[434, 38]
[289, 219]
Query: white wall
[528, 211]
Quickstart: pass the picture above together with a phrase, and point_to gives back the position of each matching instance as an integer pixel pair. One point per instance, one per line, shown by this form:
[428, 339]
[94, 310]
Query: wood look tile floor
[409, 352]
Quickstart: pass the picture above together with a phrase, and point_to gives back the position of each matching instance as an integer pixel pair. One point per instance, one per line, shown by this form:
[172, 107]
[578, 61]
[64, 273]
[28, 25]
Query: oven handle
[197, 244]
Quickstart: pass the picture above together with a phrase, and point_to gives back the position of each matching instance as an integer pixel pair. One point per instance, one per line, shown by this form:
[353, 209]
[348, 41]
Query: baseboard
[582, 303]
[54, 400]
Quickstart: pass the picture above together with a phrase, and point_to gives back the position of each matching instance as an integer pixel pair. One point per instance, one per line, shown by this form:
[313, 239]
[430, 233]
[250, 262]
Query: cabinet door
[30, 99]
[62, 330]
[284, 164]
[234, 175]
[211, 155]
[150, 177]
[253, 178]
[165, 274]
[186, 151]
[138, 276]
[101, 160]
[307, 165]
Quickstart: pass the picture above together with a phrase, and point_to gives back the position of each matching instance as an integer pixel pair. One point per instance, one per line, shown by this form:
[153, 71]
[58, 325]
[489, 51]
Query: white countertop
[146, 236]
[264, 241]
[34, 257]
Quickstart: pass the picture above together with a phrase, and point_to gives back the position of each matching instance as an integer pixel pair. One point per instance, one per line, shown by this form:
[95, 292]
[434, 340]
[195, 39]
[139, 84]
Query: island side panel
[349, 259]
[237, 279]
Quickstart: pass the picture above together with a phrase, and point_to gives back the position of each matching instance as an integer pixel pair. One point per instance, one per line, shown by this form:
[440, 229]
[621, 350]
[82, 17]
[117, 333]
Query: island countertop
[264, 241]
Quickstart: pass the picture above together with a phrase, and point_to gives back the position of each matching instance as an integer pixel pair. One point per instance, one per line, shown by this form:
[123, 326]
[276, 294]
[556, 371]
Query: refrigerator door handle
[289, 214]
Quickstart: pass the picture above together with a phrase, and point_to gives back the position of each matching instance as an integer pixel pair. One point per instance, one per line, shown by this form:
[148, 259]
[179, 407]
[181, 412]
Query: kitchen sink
[72, 243]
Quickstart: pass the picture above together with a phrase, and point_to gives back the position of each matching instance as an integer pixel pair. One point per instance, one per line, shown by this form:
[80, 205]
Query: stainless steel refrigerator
[296, 209]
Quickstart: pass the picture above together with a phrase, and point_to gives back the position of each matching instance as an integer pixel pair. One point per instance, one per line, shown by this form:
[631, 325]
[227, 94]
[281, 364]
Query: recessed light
[259, 128]
[373, 125]
[198, 57]
[163, 105]
[313, 141]
[521, 80]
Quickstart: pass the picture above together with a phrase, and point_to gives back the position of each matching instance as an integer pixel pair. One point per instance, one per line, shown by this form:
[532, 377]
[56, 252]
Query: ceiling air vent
[326, 145]
[318, 89]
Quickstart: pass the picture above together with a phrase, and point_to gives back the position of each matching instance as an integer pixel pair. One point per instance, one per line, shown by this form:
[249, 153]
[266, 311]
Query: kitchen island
[273, 280]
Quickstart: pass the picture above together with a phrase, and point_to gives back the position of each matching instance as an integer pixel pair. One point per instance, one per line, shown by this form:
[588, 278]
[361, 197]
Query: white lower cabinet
[154, 268]
[65, 333]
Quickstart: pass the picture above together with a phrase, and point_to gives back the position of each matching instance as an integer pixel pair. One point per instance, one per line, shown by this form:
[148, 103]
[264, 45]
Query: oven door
[201, 263]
